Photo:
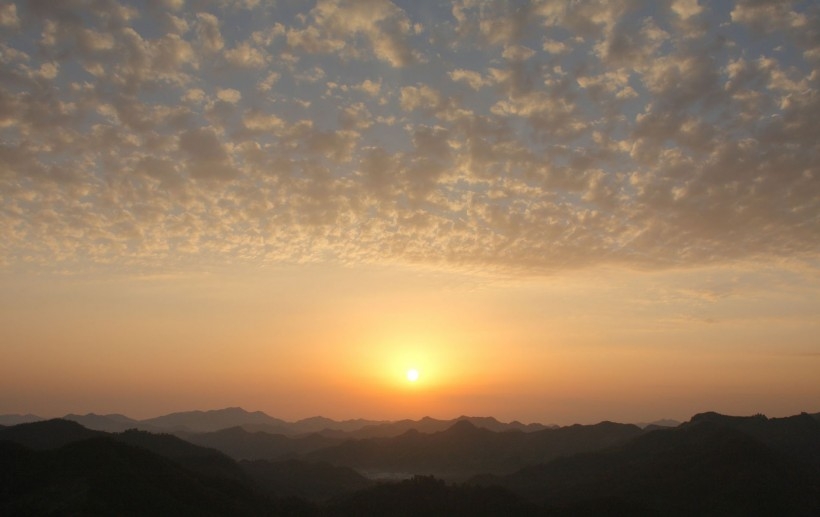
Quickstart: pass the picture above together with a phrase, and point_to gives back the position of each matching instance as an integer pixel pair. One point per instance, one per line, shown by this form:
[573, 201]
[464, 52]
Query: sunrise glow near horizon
[551, 211]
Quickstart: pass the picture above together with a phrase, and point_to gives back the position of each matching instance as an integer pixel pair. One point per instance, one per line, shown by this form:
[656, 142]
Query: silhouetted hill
[657, 424]
[712, 465]
[427, 496]
[214, 420]
[797, 436]
[701, 469]
[431, 425]
[52, 434]
[491, 424]
[318, 423]
[203, 460]
[240, 444]
[47, 434]
[101, 476]
[211, 468]
[113, 423]
[464, 449]
[312, 481]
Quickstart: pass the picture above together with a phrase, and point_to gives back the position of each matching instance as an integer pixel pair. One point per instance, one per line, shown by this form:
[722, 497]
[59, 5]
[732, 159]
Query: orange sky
[297, 342]
[556, 211]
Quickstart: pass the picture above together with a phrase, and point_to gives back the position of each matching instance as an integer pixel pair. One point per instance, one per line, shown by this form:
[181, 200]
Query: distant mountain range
[712, 464]
[219, 419]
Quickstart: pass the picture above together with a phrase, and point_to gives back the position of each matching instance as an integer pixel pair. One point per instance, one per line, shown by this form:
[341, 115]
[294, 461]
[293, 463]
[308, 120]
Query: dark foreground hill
[712, 465]
[58, 466]
[101, 476]
[311, 481]
[431, 497]
[699, 469]
[796, 436]
[47, 434]
[54, 434]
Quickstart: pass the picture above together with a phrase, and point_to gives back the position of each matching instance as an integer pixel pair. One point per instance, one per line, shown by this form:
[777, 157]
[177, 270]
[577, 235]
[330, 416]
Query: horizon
[539, 210]
[416, 419]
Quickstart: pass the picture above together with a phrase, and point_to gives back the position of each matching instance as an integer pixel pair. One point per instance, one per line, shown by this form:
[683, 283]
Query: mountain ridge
[713, 464]
[201, 421]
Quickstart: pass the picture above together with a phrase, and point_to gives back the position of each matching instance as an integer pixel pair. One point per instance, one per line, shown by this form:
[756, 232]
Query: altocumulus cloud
[528, 136]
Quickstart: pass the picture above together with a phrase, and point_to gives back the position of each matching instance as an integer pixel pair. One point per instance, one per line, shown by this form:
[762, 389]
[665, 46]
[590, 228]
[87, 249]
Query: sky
[554, 211]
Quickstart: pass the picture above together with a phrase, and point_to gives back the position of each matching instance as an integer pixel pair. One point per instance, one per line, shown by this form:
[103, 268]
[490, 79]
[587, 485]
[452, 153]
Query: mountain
[213, 420]
[53, 434]
[701, 469]
[464, 450]
[211, 468]
[109, 423]
[664, 422]
[428, 496]
[711, 465]
[319, 423]
[429, 425]
[47, 434]
[491, 424]
[797, 436]
[202, 460]
[241, 444]
[14, 419]
[101, 476]
[311, 481]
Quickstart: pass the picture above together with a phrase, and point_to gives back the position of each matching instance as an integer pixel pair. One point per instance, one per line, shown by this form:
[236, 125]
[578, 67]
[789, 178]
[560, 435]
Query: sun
[412, 375]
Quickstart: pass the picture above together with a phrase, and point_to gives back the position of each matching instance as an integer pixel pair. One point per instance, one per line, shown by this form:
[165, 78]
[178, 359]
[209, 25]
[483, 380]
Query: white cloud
[517, 53]
[229, 95]
[245, 55]
[194, 95]
[8, 16]
[555, 47]
[267, 83]
[208, 33]
[530, 139]
[472, 78]
[423, 96]
[255, 120]
[371, 88]
[338, 22]
[686, 9]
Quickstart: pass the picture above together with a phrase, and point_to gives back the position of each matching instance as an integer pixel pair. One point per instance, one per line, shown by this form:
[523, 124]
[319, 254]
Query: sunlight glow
[412, 375]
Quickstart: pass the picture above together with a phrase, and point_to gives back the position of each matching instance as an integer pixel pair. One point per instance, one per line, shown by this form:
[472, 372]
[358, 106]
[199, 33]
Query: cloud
[267, 83]
[337, 23]
[372, 88]
[415, 97]
[246, 56]
[517, 53]
[229, 95]
[472, 78]
[207, 156]
[686, 9]
[8, 16]
[208, 33]
[509, 137]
